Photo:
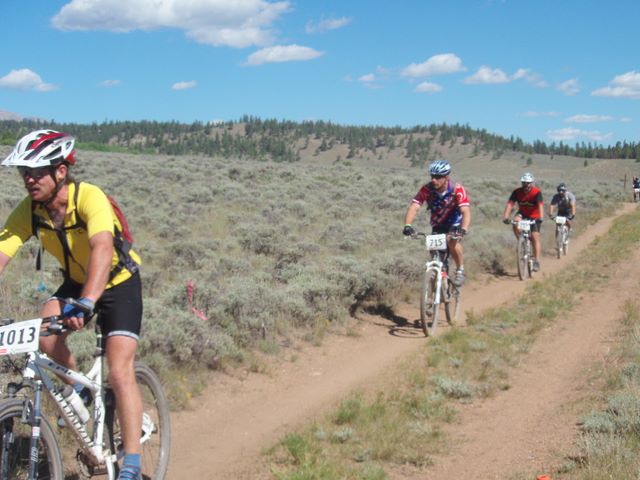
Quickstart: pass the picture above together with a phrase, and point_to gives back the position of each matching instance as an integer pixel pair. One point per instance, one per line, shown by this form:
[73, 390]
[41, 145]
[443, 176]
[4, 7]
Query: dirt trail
[236, 418]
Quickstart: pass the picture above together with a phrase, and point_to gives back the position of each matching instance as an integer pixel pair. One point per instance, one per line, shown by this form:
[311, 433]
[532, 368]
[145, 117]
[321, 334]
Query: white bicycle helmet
[42, 148]
[440, 167]
[527, 178]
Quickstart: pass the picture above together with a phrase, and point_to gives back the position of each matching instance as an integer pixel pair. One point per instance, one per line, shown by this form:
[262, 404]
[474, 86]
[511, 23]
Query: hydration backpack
[122, 238]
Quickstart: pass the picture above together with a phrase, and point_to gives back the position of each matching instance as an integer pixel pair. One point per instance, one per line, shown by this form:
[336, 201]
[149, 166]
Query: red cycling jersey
[528, 202]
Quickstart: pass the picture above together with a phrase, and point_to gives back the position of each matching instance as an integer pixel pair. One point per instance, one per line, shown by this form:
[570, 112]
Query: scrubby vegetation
[274, 252]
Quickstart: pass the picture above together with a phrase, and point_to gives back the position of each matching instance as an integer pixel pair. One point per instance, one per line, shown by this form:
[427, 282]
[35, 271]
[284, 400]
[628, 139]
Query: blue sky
[539, 69]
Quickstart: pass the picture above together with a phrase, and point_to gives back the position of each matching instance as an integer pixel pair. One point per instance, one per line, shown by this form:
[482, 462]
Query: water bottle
[76, 403]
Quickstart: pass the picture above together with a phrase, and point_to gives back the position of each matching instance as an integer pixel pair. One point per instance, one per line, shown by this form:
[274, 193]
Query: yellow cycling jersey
[96, 213]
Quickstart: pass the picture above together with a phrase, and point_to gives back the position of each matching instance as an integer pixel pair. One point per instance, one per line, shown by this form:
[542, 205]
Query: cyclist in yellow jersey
[77, 225]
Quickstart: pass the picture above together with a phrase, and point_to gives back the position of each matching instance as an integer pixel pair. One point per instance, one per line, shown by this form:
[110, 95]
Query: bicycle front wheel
[559, 241]
[156, 424]
[452, 305]
[428, 307]
[565, 240]
[521, 257]
[16, 441]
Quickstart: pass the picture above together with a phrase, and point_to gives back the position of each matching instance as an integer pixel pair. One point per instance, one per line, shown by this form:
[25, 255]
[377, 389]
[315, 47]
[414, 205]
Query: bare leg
[121, 352]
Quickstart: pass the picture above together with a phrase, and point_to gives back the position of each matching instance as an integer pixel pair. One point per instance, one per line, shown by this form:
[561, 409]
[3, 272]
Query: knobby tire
[15, 444]
[521, 257]
[156, 450]
[452, 303]
[429, 311]
[565, 240]
[559, 241]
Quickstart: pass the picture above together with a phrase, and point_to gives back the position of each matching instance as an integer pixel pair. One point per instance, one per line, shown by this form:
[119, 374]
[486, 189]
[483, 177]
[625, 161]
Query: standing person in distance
[450, 211]
[528, 197]
[102, 278]
[564, 203]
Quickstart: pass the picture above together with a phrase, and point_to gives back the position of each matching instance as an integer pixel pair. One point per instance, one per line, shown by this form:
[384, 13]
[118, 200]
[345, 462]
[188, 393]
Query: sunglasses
[35, 173]
[438, 177]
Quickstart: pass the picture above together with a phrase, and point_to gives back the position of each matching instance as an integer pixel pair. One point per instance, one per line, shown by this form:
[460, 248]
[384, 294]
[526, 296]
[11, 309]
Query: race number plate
[21, 337]
[524, 225]
[437, 242]
[561, 220]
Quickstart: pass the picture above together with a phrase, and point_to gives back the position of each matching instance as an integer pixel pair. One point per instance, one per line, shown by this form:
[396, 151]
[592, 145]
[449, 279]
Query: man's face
[561, 192]
[39, 182]
[439, 182]
[526, 186]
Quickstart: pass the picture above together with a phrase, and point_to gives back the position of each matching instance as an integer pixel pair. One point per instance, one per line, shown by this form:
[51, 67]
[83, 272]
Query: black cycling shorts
[119, 309]
[438, 229]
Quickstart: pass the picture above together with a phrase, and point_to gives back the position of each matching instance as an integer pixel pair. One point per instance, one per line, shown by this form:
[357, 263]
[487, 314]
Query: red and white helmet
[42, 148]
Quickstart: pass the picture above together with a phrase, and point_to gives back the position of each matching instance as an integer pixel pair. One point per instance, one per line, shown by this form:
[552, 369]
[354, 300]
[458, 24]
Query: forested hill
[287, 141]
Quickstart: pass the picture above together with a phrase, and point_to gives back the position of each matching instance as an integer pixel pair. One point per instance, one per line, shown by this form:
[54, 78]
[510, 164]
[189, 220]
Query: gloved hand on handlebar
[538, 221]
[408, 230]
[506, 221]
[79, 308]
[458, 232]
[571, 217]
[551, 217]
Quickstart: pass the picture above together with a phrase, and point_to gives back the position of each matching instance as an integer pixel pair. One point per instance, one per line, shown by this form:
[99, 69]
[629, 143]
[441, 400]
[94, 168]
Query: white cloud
[488, 75]
[283, 53]
[109, 83]
[531, 77]
[569, 87]
[441, 64]
[25, 79]
[184, 85]
[428, 87]
[626, 119]
[626, 85]
[588, 118]
[564, 134]
[327, 24]
[368, 78]
[238, 24]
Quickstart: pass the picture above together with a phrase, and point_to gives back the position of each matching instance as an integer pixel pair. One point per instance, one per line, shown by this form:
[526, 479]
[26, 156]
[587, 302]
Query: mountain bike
[32, 446]
[524, 248]
[562, 236]
[437, 286]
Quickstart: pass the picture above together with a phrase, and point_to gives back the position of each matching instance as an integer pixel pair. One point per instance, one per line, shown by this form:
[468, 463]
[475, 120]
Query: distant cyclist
[636, 182]
[450, 211]
[531, 207]
[563, 203]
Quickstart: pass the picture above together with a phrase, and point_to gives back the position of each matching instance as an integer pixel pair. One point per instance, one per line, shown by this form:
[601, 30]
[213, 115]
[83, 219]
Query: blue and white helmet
[440, 167]
[527, 178]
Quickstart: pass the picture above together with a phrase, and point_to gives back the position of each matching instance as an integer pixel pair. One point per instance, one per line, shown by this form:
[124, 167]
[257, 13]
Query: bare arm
[4, 260]
[99, 265]
[466, 217]
[412, 211]
[507, 210]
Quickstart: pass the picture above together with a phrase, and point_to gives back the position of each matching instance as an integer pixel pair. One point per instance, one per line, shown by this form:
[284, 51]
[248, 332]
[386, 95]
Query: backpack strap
[121, 246]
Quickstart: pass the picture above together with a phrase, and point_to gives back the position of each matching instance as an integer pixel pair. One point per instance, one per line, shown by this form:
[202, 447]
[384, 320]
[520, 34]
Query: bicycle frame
[525, 252]
[35, 375]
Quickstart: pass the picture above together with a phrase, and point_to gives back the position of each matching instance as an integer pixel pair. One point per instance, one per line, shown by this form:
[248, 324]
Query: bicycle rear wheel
[156, 424]
[521, 257]
[16, 441]
[428, 308]
[452, 303]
